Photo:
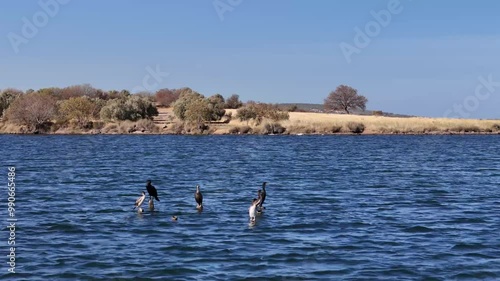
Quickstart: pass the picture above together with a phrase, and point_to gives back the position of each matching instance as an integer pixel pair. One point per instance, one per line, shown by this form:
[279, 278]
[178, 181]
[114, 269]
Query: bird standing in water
[251, 210]
[199, 198]
[152, 190]
[140, 200]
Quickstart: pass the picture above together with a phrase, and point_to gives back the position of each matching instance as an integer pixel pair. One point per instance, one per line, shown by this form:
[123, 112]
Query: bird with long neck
[151, 190]
[140, 200]
[251, 210]
[198, 197]
[263, 194]
[259, 197]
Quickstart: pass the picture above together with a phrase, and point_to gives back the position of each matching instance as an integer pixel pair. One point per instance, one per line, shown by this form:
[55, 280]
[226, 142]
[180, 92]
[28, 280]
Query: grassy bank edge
[299, 123]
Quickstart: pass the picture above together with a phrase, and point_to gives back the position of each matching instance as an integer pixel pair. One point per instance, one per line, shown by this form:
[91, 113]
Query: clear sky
[427, 59]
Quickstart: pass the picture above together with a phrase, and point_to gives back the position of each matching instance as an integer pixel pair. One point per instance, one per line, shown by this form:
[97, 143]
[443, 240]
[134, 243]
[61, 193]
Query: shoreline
[298, 124]
[252, 134]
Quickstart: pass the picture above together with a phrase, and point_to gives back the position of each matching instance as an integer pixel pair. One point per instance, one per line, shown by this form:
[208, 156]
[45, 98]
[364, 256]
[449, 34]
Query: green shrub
[246, 113]
[7, 96]
[180, 106]
[259, 111]
[216, 104]
[129, 108]
[81, 110]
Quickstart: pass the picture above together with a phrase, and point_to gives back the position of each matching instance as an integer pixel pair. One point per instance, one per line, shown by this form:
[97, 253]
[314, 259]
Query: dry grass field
[298, 123]
[325, 123]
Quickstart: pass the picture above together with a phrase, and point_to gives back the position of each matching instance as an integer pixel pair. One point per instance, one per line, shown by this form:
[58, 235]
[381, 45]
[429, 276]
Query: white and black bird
[198, 197]
[251, 210]
[140, 200]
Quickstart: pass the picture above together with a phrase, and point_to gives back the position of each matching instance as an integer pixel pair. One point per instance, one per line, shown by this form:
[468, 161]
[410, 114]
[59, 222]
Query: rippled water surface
[337, 207]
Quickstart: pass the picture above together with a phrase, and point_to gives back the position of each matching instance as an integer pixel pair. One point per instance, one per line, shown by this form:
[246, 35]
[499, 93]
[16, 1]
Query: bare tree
[78, 91]
[33, 110]
[258, 111]
[234, 102]
[345, 98]
[166, 97]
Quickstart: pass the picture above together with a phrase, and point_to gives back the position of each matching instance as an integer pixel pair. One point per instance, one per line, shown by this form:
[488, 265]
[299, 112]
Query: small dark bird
[174, 218]
[152, 190]
[263, 194]
[198, 197]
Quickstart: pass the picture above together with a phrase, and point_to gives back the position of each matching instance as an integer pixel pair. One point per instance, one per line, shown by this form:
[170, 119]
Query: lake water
[337, 207]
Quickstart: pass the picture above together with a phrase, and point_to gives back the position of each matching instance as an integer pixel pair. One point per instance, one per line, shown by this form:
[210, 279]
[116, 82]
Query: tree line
[81, 105]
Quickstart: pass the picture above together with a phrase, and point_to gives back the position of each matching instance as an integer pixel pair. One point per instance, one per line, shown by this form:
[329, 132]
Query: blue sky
[428, 59]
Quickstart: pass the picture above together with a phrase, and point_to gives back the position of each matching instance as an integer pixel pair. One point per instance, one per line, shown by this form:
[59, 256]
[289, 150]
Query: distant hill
[315, 107]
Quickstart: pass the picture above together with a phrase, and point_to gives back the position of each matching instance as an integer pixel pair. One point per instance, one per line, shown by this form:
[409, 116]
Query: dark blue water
[337, 207]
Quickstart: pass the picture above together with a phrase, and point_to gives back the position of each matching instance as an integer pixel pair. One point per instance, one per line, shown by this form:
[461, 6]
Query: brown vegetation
[35, 111]
[345, 98]
[84, 109]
